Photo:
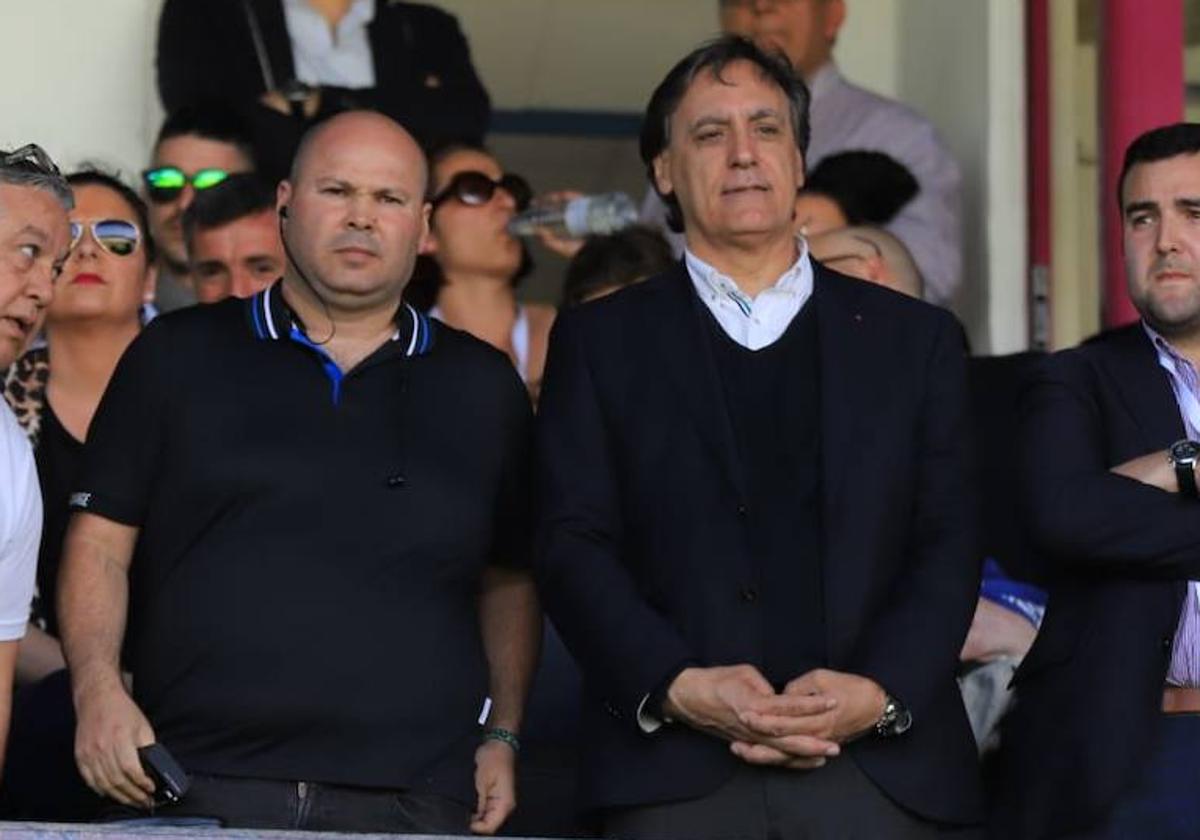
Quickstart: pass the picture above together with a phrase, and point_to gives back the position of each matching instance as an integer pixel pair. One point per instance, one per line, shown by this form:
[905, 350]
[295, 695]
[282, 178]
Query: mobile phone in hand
[171, 783]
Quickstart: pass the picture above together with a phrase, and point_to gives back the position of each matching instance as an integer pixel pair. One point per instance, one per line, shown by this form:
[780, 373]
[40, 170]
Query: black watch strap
[1186, 477]
[1183, 455]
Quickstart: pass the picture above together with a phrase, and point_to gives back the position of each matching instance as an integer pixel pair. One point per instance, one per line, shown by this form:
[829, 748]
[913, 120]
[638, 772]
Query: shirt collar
[1162, 346]
[271, 319]
[824, 80]
[797, 280]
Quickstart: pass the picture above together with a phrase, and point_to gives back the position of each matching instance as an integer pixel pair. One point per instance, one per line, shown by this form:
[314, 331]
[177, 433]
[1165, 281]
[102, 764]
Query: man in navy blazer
[757, 533]
[1106, 730]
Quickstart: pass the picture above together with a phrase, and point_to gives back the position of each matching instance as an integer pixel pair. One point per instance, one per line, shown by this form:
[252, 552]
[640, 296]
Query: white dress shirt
[20, 526]
[754, 322]
[339, 58]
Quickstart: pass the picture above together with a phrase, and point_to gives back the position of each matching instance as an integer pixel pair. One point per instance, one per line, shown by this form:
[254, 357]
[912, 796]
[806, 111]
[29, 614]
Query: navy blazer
[1089, 693]
[642, 549]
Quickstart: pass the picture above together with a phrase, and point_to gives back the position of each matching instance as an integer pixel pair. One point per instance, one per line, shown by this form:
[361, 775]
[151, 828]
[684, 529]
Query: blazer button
[749, 594]
[612, 710]
[1166, 643]
[741, 509]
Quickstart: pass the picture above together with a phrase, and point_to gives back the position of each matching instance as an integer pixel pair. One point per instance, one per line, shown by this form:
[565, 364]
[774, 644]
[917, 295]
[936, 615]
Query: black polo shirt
[303, 595]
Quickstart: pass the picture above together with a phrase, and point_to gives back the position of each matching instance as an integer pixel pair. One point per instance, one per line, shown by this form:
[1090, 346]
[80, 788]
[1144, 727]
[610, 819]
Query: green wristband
[497, 733]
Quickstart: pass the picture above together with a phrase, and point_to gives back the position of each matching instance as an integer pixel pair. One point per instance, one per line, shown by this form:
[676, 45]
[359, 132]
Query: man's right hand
[110, 730]
[725, 700]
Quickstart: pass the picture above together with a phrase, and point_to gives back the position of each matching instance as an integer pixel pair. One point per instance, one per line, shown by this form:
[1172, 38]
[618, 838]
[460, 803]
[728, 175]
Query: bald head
[353, 213]
[870, 254]
[355, 130]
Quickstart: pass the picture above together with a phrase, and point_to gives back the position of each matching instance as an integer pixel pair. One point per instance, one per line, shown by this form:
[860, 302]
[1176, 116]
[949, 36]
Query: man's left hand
[860, 703]
[495, 784]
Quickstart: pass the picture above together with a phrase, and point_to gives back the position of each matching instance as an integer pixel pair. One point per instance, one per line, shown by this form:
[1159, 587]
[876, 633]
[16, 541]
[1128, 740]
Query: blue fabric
[331, 369]
[1025, 599]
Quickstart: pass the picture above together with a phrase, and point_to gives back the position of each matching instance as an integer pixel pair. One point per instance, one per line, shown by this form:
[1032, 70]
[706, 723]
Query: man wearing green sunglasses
[196, 149]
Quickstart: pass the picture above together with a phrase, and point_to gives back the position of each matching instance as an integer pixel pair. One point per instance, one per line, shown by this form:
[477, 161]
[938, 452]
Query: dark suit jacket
[424, 78]
[1089, 692]
[643, 552]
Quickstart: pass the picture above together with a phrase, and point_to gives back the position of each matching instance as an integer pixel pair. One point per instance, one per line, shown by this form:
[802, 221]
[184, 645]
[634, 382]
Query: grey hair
[29, 166]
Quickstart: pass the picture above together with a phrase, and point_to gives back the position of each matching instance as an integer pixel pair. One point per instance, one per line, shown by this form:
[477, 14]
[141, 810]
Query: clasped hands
[799, 728]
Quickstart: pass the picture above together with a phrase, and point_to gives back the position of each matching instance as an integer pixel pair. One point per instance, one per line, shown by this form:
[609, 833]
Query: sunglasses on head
[30, 155]
[475, 189]
[117, 236]
[165, 183]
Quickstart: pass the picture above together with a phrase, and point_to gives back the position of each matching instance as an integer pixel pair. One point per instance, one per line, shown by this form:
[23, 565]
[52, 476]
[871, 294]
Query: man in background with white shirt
[34, 243]
[765, 586]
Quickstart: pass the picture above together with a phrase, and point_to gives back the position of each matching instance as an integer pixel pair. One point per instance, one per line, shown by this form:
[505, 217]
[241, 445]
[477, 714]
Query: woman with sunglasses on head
[470, 265]
[54, 389]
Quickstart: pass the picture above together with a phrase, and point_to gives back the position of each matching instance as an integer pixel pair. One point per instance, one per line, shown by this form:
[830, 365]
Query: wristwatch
[895, 720]
[1183, 455]
[296, 93]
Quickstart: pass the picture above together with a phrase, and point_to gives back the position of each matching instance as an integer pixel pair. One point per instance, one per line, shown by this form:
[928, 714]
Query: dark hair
[714, 57]
[92, 175]
[1160, 143]
[619, 260]
[869, 187]
[211, 121]
[438, 152]
[427, 277]
[239, 195]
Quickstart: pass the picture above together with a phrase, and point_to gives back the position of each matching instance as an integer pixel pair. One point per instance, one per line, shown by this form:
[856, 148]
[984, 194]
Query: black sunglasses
[475, 189]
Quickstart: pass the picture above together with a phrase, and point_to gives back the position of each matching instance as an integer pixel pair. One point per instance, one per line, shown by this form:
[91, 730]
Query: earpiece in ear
[283, 211]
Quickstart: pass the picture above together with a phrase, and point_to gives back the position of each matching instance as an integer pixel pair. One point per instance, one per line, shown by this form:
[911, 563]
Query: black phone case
[170, 781]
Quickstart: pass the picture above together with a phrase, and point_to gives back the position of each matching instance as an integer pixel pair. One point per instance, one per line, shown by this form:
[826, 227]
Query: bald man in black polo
[314, 503]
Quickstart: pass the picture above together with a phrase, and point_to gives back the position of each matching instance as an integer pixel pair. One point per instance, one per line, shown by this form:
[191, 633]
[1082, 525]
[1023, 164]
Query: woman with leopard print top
[55, 388]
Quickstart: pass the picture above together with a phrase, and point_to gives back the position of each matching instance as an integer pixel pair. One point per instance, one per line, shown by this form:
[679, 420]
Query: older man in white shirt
[34, 242]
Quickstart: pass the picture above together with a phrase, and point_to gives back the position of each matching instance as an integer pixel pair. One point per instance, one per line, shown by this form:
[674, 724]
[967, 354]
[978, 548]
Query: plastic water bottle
[577, 217]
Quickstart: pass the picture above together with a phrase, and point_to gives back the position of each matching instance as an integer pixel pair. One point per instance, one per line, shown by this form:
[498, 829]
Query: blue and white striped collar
[271, 319]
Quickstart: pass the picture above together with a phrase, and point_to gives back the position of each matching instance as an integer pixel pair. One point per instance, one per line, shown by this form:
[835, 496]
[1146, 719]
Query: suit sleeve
[619, 640]
[1081, 514]
[913, 645]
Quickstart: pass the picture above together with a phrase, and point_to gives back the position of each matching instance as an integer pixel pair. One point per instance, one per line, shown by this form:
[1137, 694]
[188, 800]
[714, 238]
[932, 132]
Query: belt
[1180, 700]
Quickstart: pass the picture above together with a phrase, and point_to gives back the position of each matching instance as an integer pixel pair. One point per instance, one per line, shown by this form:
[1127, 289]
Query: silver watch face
[1185, 452]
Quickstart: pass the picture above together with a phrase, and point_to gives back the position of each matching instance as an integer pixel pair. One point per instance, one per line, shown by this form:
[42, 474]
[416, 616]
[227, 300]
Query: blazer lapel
[687, 355]
[1145, 388]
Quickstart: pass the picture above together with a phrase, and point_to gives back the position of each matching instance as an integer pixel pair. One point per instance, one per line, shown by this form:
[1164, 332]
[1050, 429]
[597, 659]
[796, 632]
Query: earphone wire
[304, 277]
